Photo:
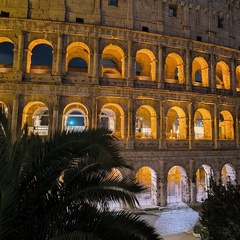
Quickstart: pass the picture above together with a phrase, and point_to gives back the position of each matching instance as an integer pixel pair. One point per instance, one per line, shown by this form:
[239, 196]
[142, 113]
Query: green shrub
[197, 229]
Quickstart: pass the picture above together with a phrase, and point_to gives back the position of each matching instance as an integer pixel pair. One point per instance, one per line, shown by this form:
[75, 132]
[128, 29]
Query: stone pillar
[162, 127]
[192, 180]
[233, 76]
[14, 116]
[94, 113]
[130, 13]
[216, 125]
[18, 66]
[55, 114]
[186, 25]
[160, 68]
[190, 125]
[130, 65]
[212, 74]
[160, 22]
[97, 12]
[188, 70]
[237, 125]
[162, 183]
[95, 70]
[59, 62]
[131, 126]
[64, 53]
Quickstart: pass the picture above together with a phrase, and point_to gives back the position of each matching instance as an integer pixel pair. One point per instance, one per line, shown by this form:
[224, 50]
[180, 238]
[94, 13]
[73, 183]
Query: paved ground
[175, 223]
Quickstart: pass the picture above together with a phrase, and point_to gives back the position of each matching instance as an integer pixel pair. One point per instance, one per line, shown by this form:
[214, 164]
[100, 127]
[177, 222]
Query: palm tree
[61, 188]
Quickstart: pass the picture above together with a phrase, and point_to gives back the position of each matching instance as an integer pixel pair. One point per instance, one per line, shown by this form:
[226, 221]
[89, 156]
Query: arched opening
[228, 174]
[200, 72]
[176, 127]
[226, 126]
[75, 118]
[36, 116]
[238, 78]
[178, 189]
[4, 108]
[145, 65]
[112, 118]
[174, 69]
[203, 175]
[77, 58]
[145, 123]
[202, 125]
[40, 57]
[113, 62]
[222, 76]
[147, 177]
[6, 56]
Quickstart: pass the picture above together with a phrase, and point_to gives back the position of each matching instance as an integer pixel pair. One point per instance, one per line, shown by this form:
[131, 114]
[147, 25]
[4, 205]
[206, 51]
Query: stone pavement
[180, 236]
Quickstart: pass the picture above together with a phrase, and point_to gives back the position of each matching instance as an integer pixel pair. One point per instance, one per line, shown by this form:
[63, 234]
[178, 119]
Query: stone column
[192, 180]
[216, 125]
[94, 113]
[233, 76]
[190, 125]
[160, 68]
[59, 62]
[162, 128]
[130, 65]
[131, 126]
[95, 70]
[97, 12]
[55, 114]
[130, 17]
[14, 116]
[188, 70]
[18, 66]
[162, 183]
[212, 74]
[160, 22]
[237, 125]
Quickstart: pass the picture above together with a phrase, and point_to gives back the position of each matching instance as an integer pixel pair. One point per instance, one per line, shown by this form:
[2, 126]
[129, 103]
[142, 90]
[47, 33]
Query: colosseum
[162, 75]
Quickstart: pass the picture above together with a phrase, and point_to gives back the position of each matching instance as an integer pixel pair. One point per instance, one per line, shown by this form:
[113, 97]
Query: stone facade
[164, 76]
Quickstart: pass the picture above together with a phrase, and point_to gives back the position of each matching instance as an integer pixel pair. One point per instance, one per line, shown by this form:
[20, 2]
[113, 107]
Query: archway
[200, 72]
[113, 62]
[36, 116]
[174, 69]
[202, 124]
[203, 175]
[226, 126]
[178, 187]
[176, 124]
[75, 118]
[145, 65]
[145, 123]
[222, 76]
[148, 178]
[6, 55]
[77, 58]
[39, 59]
[112, 118]
[228, 174]
[238, 78]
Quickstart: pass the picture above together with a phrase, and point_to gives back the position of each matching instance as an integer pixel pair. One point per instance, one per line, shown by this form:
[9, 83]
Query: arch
[226, 126]
[176, 126]
[174, 69]
[6, 55]
[75, 117]
[202, 124]
[148, 178]
[203, 176]
[228, 174]
[177, 188]
[200, 72]
[112, 118]
[45, 65]
[146, 123]
[4, 108]
[145, 65]
[222, 76]
[36, 116]
[113, 62]
[238, 78]
[78, 58]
